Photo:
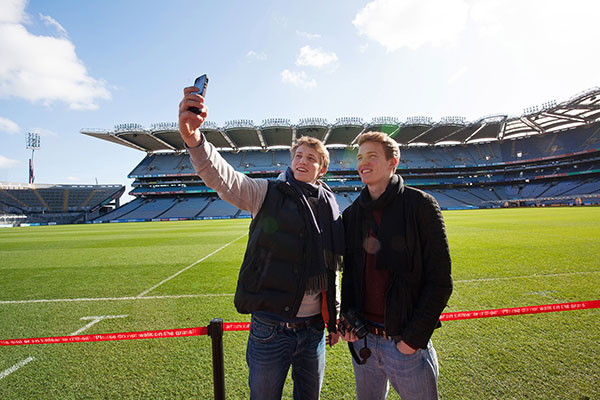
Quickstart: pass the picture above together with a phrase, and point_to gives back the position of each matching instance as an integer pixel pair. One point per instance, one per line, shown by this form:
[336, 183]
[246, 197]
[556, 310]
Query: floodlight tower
[33, 144]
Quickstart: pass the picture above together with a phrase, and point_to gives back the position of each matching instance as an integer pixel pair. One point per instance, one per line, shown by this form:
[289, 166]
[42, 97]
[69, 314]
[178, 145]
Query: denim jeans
[413, 376]
[273, 348]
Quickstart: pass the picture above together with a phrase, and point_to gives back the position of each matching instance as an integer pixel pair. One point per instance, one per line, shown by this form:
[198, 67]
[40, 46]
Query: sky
[69, 65]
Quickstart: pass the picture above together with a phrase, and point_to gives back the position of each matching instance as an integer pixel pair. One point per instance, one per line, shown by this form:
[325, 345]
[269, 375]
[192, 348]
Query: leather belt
[317, 319]
[377, 330]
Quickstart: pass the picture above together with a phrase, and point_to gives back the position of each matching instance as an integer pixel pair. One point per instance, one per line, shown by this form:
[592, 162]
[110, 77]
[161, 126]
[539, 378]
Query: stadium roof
[580, 110]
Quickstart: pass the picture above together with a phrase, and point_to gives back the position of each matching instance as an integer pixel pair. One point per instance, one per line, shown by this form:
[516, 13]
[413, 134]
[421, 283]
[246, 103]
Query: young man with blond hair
[287, 280]
[397, 277]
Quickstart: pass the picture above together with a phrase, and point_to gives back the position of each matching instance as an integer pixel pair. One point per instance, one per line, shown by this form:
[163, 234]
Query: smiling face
[307, 165]
[374, 169]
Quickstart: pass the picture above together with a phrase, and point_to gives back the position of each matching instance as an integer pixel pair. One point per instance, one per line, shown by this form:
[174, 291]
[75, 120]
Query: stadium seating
[57, 203]
[554, 168]
[218, 208]
[186, 207]
[121, 212]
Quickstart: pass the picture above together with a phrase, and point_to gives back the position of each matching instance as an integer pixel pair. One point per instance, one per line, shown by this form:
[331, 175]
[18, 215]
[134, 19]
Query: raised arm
[232, 186]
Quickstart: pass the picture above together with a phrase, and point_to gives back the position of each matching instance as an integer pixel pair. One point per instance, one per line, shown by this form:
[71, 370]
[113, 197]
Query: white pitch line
[16, 367]
[179, 296]
[140, 296]
[505, 278]
[188, 267]
[95, 320]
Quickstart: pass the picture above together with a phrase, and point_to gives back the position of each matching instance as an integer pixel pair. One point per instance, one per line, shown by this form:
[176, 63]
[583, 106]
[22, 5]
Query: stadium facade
[38, 204]
[550, 155]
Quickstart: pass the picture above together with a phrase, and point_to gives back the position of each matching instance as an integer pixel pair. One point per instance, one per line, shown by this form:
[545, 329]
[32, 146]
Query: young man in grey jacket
[287, 280]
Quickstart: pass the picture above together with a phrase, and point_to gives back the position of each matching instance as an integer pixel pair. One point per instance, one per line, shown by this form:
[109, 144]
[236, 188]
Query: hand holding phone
[200, 83]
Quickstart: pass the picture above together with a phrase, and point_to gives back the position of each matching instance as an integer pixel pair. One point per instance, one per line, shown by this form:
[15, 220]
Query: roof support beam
[355, 140]
[532, 125]
[228, 139]
[413, 140]
[261, 139]
[326, 136]
[564, 116]
[476, 132]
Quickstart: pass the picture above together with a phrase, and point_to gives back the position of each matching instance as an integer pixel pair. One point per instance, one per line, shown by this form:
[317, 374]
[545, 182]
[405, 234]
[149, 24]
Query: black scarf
[327, 238]
[390, 237]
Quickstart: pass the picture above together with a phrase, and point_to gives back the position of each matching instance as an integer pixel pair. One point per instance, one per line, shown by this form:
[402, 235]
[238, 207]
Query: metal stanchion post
[215, 331]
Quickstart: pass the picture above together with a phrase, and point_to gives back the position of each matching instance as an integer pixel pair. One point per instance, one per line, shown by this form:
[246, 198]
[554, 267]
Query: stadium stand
[120, 213]
[218, 208]
[186, 208]
[550, 156]
[57, 204]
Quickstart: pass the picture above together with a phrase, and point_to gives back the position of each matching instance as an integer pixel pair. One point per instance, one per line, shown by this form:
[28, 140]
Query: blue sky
[69, 65]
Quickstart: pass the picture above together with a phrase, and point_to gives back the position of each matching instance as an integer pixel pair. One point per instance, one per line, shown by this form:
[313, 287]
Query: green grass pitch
[168, 275]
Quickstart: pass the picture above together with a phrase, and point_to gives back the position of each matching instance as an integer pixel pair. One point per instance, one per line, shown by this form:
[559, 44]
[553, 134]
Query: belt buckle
[378, 330]
[299, 325]
[295, 325]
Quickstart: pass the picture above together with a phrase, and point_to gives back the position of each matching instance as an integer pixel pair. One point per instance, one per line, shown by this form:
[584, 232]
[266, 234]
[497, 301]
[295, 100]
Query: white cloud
[49, 21]
[13, 11]
[253, 55]
[297, 78]
[43, 68]
[8, 126]
[397, 24]
[6, 163]
[309, 36]
[73, 179]
[315, 57]
[546, 25]
[547, 46]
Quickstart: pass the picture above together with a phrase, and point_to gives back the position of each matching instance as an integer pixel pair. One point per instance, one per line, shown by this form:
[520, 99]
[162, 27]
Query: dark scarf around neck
[390, 236]
[327, 232]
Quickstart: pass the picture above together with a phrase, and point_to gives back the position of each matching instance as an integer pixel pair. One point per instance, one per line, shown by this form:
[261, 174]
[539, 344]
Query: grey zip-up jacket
[232, 186]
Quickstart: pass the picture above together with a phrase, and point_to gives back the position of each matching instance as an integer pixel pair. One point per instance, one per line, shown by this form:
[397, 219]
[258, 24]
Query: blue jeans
[273, 348]
[413, 376]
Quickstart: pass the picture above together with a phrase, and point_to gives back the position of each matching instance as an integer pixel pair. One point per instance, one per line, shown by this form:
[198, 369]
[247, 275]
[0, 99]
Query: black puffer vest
[273, 274]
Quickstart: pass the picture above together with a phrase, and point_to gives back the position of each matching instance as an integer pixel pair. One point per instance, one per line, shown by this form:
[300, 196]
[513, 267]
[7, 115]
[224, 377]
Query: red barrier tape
[236, 326]
[503, 312]
[244, 326]
[109, 336]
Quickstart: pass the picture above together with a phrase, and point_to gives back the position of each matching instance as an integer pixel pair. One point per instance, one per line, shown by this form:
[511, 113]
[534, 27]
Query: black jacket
[273, 274]
[420, 282]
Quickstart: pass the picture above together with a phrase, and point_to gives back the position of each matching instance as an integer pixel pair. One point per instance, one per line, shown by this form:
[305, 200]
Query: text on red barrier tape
[109, 336]
[244, 326]
[503, 312]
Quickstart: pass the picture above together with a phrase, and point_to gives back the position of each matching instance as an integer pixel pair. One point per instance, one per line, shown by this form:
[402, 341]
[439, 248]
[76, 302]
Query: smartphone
[201, 83]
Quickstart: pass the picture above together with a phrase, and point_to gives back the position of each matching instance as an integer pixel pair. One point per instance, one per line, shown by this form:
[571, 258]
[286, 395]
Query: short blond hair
[314, 144]
[390, 147]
